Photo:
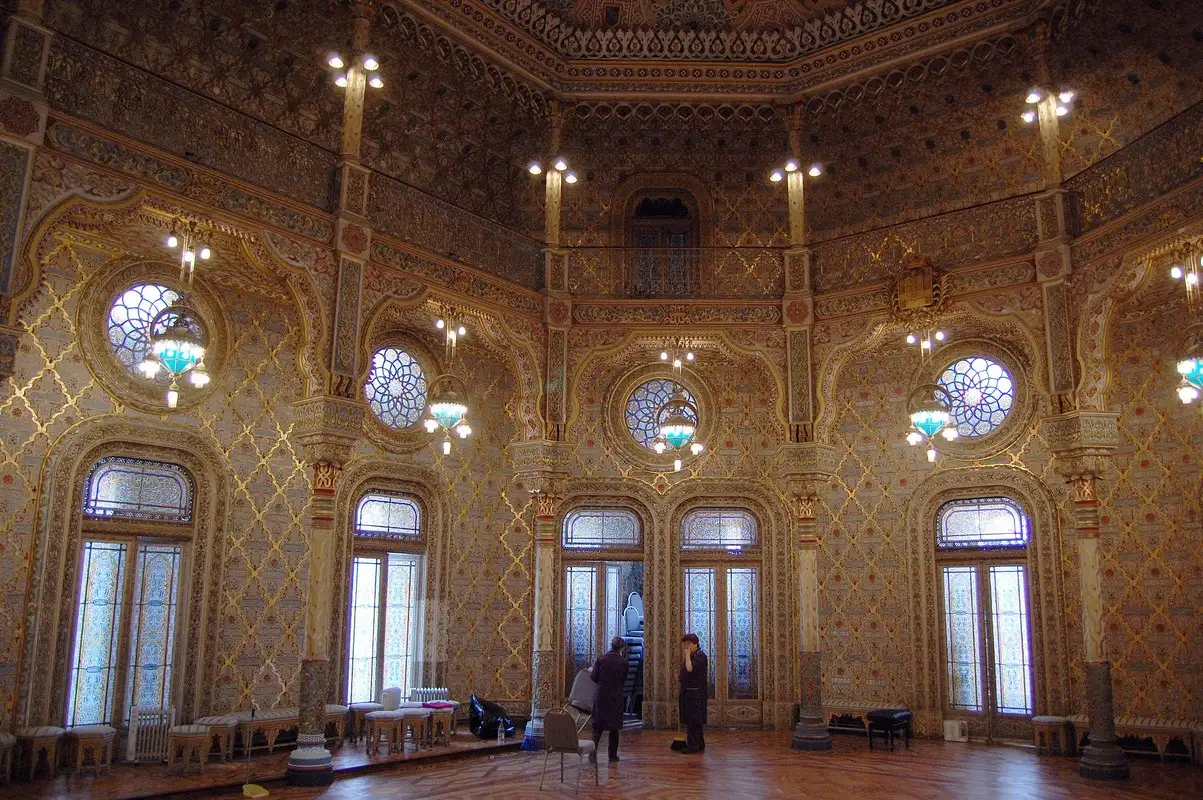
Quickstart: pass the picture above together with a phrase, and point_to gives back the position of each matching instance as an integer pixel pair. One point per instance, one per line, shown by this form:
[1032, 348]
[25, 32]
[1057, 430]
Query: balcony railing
[660, 272]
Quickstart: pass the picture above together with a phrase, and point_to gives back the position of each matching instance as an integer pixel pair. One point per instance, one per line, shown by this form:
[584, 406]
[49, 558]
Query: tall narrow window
[127, 604]
[981, 548]
[385, 606]
[580, 610]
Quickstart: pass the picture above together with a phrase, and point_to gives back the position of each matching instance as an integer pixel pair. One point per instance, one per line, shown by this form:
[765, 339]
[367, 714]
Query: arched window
[598, 528]
[718, 529]
[662, 232]
[127, 620]
[130, 315]
[386, 586]
[396, 388]
[138, 489]
[982, 392]
[981, 547]
[644, 408]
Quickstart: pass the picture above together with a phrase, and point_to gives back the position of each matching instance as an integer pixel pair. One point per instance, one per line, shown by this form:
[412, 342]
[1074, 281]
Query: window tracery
[644, 409]
[396, 388]
[982, 393]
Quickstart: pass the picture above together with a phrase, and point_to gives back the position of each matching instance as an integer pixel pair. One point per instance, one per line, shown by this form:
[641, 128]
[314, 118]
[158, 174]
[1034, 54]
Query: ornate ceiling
[752, 49]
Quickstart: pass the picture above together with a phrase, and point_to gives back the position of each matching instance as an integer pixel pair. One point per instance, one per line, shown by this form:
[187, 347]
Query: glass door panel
[155, 602]
[400, 615]
[962, 644]
[580, 617]
[743, 639]
[365, 623]
[700, 604]
[97, 633]
[1012, 652]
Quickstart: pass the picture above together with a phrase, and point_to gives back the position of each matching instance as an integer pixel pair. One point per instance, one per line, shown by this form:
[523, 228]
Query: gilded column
[327, 428]
[23, 112]
[542, 466]
[798, 302]
[1082, 443]
[806, 470]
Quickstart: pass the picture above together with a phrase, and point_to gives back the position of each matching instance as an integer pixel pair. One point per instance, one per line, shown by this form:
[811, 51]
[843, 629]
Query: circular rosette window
[981, 392]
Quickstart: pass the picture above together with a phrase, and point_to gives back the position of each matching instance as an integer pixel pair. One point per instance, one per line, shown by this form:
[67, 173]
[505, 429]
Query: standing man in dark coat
[695, 687]
[610, 674]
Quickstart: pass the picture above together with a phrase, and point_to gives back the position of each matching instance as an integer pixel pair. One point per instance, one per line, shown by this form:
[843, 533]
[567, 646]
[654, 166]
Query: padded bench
[270, 723]
[1160, 731]
[889, 720]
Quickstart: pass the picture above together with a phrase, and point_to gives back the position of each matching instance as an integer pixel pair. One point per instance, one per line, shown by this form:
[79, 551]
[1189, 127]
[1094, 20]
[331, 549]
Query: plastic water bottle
[500, 732]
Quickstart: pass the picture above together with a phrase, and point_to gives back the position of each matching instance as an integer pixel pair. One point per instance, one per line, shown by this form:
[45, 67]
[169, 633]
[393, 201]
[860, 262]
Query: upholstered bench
[888, 720]
[1159, 731]
[222, 729]
[32, 742]
[336, 716]
[270, 723]
[383, 727]
[7, 743]
[98, 740]
[1054, 736]
[192, 742]
[358, 710]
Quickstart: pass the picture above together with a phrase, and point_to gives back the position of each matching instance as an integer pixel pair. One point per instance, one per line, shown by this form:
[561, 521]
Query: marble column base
[310, 763]
[543, 675]
[811, 731]
[1102, 759]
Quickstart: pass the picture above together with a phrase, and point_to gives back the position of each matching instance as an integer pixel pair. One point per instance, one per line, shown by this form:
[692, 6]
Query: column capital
[541, 465]
[804, 466]
[328, 428]
[1082, 441]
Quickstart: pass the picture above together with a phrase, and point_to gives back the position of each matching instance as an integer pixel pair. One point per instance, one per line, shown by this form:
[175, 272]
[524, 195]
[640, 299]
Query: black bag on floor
[485, 717]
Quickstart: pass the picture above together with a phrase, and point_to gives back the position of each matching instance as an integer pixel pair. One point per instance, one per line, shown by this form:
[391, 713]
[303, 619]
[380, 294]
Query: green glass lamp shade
[178, 349]
[929, 421]
[1191, 369]
[448, 413]
[677, 430]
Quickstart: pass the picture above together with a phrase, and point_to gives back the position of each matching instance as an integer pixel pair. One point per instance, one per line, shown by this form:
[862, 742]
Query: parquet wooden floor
[756, 764]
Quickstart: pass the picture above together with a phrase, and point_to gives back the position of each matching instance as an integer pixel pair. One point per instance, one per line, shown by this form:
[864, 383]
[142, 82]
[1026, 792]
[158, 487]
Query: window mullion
[988, 669]
[124, 638]
[381, 623]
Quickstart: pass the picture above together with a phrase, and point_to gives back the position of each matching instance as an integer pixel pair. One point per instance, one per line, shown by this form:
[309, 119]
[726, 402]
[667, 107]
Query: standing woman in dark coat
[610, 674]
[695, 687]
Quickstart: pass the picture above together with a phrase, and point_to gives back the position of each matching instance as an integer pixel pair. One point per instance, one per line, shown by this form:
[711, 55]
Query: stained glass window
[580, 619]
[129, 321]
[132, 487]
[719, 529]
[152, 638]
[384, 631]
[396, 388]
[645, 409]
[982, 392]
[962, 643]
[594, 528]
[1012, 651]
[700, 605]
[743, 638]
[988, 523]
[98, 617]
[387, 516]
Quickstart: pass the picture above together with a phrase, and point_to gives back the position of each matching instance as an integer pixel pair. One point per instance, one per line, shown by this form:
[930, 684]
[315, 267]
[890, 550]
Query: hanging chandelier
[452, 333]
[929, 404]
[678, 355]
[927, 340]
[447, 411]
[1191, 369]
[177, 334]
[1187, 269]
[677, 427]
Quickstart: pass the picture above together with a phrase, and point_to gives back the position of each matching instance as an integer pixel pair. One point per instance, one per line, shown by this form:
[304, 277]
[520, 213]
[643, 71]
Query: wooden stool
[336, 716]
[381, 725]
[95, 739]
[442, 723]
[221, 733]
[32, 741]
[1053, 736]
[7, 742]
[418, 724]
[358, 710]
[192, 742]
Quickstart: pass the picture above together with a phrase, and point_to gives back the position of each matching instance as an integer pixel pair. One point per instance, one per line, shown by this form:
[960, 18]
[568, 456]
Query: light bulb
[659, 448]
[689, 356]
[939, 336]
[776, 177]
[570, 177]
[1028, 116]
[535, 168]
[206, 252]
[376, 82]
[431, 424]
[696, 448]
[1066, 95]
[913, 438]
[925, 344]
[173, 241]
[199, 378]
[173, 398]
[149, 367]
[814, 171]
[1062, 110]
[189, 256]
[341, 81]
[791, 166]
[1176, 272]
[1192, 279]
[910, 338]
[440, 324]
[677, 465]
[1033, 96]
[663, 355]
[370, 63]
[461, 330]
[446, 447]
[676, 363]
[1187, 393]
[463, 430]
[931, 455]
[335, 61]
[949, 433]
[561, 164]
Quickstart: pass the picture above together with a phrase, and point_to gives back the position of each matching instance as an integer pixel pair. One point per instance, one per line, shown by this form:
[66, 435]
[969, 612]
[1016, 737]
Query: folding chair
[559, 736]
[580, 699]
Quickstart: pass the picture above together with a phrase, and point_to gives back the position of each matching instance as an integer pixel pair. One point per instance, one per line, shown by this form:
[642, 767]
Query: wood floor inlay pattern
[760, 764]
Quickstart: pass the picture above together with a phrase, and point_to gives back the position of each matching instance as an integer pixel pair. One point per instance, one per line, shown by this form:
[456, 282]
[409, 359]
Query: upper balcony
[714, 273]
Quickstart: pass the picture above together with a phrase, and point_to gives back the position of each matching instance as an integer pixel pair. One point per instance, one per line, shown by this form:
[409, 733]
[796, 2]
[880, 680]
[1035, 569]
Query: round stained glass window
[644, 409]
[982, 392]
[396, 387]
[129, 321]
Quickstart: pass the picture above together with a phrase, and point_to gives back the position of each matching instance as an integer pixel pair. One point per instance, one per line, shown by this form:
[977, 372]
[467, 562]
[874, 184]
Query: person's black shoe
[615, 758]
[691, 750]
